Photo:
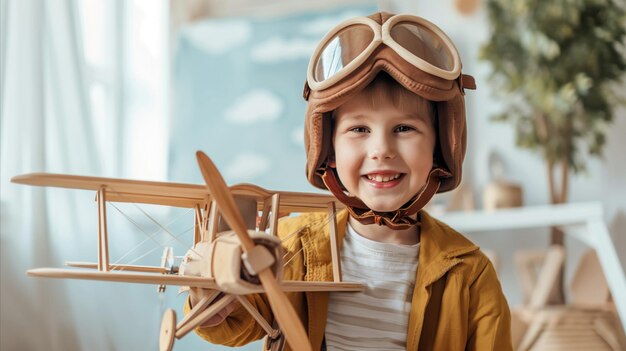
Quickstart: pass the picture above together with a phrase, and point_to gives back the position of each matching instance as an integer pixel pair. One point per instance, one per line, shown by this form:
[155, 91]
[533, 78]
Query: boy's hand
[197, 294]
[195, 263]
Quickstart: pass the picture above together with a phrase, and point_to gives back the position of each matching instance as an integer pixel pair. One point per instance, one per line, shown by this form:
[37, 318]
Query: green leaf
[562, 59]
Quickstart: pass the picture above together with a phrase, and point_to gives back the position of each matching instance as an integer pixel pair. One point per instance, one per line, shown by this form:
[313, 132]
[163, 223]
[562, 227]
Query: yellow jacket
[457, 302]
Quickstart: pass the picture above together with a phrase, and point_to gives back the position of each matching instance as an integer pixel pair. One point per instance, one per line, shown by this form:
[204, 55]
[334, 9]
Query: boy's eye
[403, 128]
[359, 129]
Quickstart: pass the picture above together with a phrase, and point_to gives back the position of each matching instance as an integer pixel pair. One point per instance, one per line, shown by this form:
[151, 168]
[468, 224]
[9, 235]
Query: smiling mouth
[383, 178]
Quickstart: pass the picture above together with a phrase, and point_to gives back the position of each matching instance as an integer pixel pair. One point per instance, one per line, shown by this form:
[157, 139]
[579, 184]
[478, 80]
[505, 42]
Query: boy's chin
[386, 206]
[380, 204]
[382, 207]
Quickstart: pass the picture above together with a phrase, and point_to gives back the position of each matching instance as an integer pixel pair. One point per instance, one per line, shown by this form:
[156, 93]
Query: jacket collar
[439, 244]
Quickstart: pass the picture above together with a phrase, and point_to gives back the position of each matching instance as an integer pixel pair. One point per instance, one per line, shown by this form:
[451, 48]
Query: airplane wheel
[168, 330]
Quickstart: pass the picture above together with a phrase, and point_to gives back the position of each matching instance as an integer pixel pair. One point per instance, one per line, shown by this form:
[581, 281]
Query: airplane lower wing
[120, 267]
[296, 285]
[207, 283]
[158, 279]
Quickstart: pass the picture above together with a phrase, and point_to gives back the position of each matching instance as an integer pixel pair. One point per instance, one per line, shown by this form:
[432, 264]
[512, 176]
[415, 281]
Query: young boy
[385, 131]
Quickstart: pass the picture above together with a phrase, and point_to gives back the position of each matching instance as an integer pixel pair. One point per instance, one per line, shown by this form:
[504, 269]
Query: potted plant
[559, 66]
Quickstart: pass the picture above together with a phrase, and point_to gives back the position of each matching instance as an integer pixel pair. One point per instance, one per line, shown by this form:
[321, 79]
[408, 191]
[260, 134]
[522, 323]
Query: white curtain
[37, 54]
[46, 126]
[45, 121]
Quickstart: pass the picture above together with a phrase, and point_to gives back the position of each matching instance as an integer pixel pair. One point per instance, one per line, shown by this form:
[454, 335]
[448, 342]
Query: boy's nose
[381, 149]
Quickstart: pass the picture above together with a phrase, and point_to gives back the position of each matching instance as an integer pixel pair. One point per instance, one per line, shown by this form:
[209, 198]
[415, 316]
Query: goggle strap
[307, 91]
[468, 82]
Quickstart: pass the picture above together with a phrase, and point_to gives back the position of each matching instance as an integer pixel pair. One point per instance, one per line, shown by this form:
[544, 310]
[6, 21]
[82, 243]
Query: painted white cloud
[220, 36]
[297, 136]
[247, 166]
[278, 49]
[253, 107]
[321, 26]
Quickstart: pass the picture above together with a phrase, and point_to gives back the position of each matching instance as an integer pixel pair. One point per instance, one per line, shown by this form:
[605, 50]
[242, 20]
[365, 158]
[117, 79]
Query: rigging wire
[173, 237]
[162, 228]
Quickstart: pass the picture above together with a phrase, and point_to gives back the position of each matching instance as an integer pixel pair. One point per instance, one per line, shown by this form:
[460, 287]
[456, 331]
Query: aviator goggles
[347, 46]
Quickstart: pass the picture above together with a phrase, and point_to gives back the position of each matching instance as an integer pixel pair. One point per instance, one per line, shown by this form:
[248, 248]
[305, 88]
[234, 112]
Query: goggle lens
[341, 50]
[423, 43]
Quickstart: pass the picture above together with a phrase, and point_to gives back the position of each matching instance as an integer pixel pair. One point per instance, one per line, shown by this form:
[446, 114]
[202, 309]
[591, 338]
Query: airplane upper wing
[123, 190]
[173, 194]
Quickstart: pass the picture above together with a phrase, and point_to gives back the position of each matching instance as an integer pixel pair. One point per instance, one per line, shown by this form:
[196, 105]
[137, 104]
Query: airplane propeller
[284, 312]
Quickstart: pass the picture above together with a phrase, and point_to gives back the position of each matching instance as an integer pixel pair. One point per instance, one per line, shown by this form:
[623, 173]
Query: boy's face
[383, 153]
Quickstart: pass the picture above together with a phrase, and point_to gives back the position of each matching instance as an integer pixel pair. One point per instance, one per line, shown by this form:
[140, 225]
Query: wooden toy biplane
[230, 263]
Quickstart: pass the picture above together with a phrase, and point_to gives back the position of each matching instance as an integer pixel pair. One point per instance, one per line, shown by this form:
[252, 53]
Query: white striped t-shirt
[378, 317]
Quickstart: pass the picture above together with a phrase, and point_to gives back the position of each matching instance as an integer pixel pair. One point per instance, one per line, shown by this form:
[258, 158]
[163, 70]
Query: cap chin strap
[399, 219]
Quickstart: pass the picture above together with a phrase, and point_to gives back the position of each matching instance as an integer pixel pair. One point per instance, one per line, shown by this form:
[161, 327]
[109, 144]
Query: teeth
[380, 178]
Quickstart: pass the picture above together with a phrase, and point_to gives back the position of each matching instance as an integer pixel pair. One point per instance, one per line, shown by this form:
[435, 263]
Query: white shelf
[524, 217]
[585, 221]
